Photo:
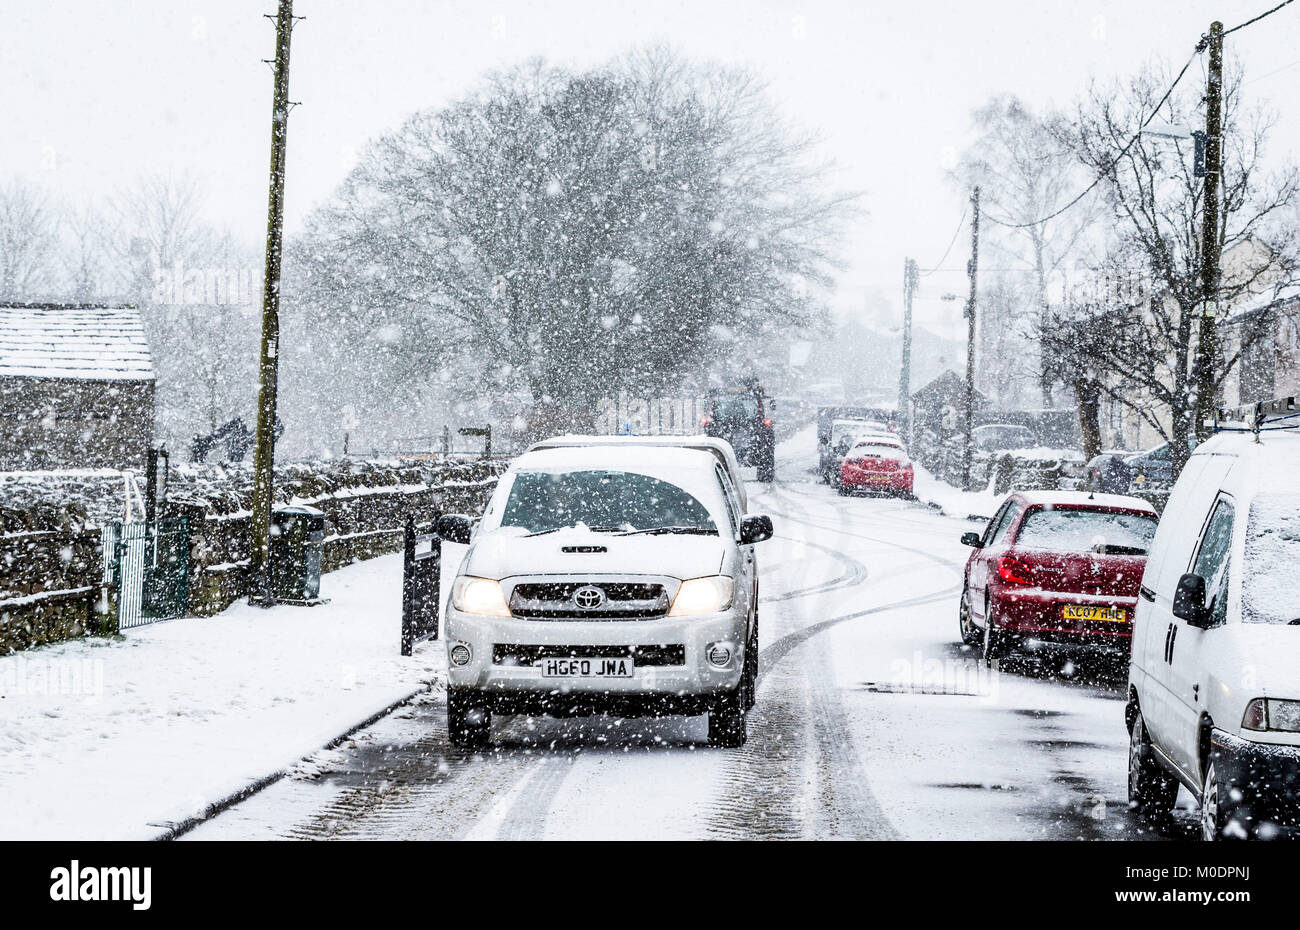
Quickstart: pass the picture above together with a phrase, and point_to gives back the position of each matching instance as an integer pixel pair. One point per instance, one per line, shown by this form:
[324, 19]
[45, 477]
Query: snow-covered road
[872, 722]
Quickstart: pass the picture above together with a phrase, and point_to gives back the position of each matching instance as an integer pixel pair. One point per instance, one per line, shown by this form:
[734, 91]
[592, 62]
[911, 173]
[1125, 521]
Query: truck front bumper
[672, 672]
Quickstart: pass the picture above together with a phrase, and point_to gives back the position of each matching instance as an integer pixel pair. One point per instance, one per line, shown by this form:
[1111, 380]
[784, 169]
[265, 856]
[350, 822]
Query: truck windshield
[602, 500]
[1269, 593]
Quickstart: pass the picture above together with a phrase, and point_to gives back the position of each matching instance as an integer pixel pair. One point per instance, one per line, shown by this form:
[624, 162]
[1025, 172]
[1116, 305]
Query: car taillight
[1013, 571]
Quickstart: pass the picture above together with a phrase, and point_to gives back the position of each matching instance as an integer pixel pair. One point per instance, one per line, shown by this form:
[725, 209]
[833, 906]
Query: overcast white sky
[97, 92]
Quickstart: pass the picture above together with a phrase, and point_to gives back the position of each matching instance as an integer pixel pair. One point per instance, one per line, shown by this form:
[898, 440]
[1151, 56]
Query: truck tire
[728, 727]
[767, 463]
[469, 723]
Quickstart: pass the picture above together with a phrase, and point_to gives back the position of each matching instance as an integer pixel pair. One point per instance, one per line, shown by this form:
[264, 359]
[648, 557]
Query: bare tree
[1142, 348]
[579, 232]
[29, 231]
[1025, 173]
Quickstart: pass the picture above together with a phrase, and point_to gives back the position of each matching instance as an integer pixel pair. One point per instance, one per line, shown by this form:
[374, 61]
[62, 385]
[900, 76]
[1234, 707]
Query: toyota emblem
[588, 597]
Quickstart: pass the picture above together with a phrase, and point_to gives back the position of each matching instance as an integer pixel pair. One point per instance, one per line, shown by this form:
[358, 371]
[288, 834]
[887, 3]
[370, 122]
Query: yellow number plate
[1079, 612]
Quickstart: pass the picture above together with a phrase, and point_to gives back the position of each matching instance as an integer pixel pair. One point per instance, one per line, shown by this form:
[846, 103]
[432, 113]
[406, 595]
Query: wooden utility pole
[264, 450]
[1207, 337]
[910, 279]
[967, 451]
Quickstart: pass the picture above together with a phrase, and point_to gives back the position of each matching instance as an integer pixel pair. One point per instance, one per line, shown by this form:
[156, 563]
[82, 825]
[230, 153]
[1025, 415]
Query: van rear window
[1269, 593]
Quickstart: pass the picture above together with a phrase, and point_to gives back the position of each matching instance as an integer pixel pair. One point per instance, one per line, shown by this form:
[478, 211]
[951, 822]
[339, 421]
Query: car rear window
[1269, 593]
[1074, 530]
[878, 451]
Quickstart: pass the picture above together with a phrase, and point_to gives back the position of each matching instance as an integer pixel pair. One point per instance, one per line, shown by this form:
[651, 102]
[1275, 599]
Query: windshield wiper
[681, 530]
[594, 529]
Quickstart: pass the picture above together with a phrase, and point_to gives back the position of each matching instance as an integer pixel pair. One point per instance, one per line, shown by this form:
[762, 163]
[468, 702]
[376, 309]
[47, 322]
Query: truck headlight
[482, 596]
[702, 596]
[1272, 714]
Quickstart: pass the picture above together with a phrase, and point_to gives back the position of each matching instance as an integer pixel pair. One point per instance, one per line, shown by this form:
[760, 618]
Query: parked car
[1108, 473]
[840, 426]
[1214, 682]
[1154, 468]
[996, 436]
[877, 464]
[1056, 570]
[606, 577]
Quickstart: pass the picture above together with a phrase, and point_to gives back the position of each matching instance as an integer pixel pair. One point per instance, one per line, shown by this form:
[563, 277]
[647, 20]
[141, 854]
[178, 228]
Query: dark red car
[1056, 570]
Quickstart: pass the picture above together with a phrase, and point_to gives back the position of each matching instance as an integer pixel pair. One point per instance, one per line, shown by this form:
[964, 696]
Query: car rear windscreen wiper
[681, 530]
[1119, 550]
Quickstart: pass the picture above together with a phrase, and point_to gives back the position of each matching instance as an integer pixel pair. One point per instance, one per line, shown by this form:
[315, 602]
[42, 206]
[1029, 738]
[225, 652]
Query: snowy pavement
[118, 739]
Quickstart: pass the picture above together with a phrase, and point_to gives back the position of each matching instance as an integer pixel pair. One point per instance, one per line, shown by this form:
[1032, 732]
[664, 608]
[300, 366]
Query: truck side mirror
[973, 540]
[455, 528]
[1189, 599]
[755, 529]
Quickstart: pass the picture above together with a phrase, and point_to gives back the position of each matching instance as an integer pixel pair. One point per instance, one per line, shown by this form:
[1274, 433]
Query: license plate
[877, 477]
[1109, 614]
[586, 668]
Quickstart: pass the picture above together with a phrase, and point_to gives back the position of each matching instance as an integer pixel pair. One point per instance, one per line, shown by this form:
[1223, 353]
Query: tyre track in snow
[799, 775]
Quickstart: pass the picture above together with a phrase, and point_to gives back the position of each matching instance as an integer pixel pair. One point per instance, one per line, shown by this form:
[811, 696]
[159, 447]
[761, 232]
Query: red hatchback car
[876, 463]
[1054, 570]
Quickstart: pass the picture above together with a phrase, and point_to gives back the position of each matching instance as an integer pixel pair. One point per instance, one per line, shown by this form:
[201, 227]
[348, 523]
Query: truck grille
[517, 654]
[618, 600]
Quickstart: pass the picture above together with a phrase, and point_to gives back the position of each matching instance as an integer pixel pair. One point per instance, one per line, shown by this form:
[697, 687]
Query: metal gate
[151, 570]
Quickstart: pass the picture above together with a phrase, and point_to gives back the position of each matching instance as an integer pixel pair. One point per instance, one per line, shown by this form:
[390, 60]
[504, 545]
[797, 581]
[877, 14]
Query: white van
[1214, 679]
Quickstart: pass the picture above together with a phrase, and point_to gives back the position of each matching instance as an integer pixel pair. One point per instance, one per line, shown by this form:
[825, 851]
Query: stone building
[76, 387]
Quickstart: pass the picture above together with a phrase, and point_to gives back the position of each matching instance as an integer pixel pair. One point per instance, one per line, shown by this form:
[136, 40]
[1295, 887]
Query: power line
[1255, 80]
[955, 233]
[1200, 47]
[1228, 32]
[1101, 175]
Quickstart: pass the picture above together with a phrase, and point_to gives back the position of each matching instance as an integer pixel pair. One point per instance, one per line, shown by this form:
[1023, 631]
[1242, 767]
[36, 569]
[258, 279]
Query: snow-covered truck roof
[85, 342]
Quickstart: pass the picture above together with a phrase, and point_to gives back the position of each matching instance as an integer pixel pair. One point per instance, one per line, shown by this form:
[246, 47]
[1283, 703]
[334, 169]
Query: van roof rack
[1259, 417]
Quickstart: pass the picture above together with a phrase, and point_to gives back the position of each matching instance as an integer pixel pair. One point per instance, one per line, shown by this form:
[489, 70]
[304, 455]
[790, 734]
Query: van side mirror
[973, 540]
[455, 528]
[755, 529]
[1189, 599]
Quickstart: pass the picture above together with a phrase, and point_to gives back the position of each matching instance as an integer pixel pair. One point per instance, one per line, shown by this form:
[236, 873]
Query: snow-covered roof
[77, 341]
[1270, 464]
[1083, 499]
[1254, 303]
